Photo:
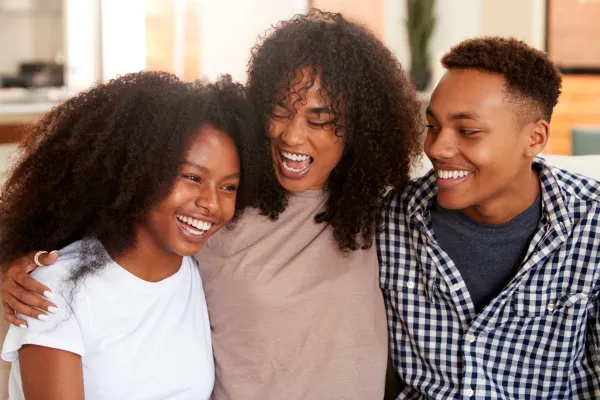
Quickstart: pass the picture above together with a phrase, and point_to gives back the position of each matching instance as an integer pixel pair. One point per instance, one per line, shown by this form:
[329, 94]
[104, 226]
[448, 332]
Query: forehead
[469, 90]
[212, 147]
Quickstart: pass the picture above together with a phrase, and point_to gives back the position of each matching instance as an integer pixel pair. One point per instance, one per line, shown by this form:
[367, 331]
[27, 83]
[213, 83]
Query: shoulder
[577, 187]
[58, 273]
[399, 199]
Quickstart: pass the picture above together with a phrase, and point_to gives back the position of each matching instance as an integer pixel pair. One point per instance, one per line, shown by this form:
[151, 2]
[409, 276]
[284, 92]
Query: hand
[17, 290]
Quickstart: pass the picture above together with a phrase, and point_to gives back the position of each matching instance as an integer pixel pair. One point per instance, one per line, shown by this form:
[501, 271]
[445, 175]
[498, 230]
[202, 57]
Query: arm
[17, 289]
[50, 374]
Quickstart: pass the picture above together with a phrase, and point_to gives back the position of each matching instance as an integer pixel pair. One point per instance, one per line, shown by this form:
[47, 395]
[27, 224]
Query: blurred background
[51, 49]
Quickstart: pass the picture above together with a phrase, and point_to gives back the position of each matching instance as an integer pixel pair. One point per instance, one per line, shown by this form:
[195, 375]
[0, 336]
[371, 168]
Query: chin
[452, 202]
[293, 185]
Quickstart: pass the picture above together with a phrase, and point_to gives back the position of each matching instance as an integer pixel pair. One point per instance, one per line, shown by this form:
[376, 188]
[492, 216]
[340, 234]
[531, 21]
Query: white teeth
[196, 223]
[452, 174]
[295, 169]
[294, 157]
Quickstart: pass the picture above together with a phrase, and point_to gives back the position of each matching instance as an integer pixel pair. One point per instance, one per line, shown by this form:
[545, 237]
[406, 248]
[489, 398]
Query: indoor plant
[420, 24]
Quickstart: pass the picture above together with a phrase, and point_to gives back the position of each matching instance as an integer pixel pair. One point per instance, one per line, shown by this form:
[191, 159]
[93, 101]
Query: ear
[537, 137]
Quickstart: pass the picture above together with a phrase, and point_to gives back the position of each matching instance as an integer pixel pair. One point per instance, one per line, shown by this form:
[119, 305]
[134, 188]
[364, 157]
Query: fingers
[24, 280]
[48, 259]
[28, 261]
[9, 315]
[18, 290]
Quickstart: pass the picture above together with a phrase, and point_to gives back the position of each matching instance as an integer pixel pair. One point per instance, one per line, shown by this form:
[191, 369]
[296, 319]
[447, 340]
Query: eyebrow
[235, 175]
[458, 116]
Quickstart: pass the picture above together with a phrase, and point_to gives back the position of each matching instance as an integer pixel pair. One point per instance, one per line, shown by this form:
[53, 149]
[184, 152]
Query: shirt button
[423, 238]
[469, 392]
[410, 284]
[470, 338]
[551, 306]
[455, 287]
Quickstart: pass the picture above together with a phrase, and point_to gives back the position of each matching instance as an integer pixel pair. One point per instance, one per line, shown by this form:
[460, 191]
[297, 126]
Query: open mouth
[194, 226]
[295, 165]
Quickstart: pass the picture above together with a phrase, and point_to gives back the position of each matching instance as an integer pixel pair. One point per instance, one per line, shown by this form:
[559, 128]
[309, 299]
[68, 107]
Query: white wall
[229, 28]
[82, 44]
[123, 37]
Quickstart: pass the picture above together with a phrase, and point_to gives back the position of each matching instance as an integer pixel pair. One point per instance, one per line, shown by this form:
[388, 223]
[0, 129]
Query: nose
[441, 144]
[208, 199]
[293, 133]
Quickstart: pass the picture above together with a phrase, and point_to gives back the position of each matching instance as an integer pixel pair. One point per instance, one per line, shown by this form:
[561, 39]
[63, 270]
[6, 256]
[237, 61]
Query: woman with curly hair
[129, 179]
[295, 306]
[293, 291]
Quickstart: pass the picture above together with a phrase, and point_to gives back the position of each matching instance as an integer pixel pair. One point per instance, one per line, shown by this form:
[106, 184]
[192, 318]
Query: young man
[489, 263]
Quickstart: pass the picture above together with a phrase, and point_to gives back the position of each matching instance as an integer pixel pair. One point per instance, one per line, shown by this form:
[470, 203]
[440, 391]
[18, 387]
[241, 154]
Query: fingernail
[53, 309]
[54, 251]
[48, 294]
[43, 317]
[23, 326]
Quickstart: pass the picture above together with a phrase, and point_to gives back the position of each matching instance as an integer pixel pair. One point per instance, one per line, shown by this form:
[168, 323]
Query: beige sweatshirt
[291, 316]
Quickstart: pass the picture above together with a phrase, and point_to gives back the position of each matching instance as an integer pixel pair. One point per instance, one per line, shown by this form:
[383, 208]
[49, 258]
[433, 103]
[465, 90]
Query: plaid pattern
[538, 339]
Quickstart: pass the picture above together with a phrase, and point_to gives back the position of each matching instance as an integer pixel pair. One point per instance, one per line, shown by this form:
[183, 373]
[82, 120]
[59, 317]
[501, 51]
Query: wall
[173, 37]
[367, 12]
[228, 29]
[574, 33]
[123, 53]
[461, 19]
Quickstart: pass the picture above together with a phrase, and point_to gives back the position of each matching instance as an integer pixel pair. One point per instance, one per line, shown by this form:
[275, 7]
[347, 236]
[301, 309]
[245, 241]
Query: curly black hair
[528, 72]
[382, 129]
[96, 164]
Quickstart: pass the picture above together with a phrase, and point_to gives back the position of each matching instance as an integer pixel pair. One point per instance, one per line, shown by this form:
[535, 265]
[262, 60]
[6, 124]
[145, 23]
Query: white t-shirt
[137, 339]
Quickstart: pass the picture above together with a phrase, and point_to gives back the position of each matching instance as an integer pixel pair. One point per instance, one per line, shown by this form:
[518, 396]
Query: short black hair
[529, 73]
[382, 120]
[96, 164]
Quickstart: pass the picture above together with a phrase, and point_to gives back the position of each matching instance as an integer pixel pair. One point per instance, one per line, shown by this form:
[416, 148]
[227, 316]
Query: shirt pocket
[538, 303]
[407, 282]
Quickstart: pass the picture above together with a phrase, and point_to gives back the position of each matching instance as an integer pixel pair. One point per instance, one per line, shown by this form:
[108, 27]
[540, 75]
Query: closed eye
[321, 124]
[432, 127]
[193, 178]
[468, 132]
[230, 188]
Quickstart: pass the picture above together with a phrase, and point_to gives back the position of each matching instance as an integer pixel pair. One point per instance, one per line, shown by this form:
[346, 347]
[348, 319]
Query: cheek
[228, 208]
[329, 148]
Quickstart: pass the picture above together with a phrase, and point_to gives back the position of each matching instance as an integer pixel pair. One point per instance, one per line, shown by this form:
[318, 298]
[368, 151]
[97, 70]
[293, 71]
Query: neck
[147, 261]
[509, 204]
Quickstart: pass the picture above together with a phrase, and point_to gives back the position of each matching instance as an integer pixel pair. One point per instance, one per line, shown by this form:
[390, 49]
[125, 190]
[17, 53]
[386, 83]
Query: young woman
[129, 180]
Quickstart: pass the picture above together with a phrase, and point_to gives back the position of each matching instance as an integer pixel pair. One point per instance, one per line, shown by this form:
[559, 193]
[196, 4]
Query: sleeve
[62, 330]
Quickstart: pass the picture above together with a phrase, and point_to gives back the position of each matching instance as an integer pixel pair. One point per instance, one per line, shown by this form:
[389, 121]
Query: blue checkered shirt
[538, 339]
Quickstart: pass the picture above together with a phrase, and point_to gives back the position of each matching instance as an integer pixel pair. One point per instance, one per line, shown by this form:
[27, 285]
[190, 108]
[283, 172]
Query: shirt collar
[554, 209]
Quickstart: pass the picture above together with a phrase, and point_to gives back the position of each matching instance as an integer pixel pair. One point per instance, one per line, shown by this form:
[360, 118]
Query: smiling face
[481, 152]
[304, 143]
[202, 200]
